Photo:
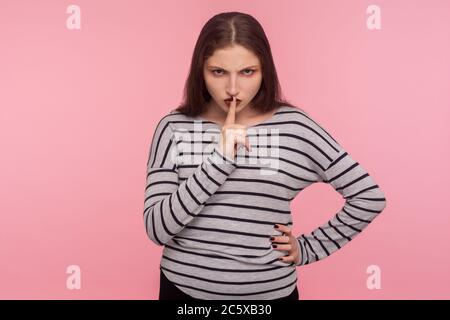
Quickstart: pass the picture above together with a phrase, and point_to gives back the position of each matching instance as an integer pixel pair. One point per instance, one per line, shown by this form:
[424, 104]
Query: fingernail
[276, 226]
[274, 245]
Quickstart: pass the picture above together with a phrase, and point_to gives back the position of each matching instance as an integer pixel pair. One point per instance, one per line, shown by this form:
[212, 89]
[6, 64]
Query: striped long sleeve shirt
[215, 215]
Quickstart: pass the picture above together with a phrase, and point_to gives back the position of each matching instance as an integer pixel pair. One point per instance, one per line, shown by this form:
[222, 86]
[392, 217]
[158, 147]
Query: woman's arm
[168, 205]
[364, 201]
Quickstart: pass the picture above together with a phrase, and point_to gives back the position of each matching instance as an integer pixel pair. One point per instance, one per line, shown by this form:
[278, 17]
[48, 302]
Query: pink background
[78, 110]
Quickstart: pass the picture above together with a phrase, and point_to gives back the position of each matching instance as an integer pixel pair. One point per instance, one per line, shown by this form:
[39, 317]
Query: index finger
[231, 115]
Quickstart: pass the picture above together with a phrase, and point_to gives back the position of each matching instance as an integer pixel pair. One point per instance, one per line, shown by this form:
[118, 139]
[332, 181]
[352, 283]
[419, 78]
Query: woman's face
[233, 71]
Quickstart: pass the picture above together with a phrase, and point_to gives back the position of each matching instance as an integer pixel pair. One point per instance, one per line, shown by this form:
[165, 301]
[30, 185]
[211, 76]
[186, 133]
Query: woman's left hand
[286, 242]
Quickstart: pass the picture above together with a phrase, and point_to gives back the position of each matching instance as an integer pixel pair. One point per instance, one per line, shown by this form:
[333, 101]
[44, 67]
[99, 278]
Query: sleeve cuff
[301, 250]
[220, 158]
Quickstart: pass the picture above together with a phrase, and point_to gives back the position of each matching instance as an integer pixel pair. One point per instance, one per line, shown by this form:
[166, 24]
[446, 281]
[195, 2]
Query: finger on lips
[231, 115]
[231, 119]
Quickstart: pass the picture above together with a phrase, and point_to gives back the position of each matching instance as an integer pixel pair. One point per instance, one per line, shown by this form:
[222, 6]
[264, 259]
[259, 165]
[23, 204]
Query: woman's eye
[248, 70]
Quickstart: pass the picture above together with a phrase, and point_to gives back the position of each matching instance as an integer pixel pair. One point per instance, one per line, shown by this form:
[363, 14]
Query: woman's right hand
[232, 135]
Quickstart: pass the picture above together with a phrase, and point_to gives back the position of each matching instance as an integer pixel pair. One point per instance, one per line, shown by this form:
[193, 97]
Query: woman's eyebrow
[254, 66]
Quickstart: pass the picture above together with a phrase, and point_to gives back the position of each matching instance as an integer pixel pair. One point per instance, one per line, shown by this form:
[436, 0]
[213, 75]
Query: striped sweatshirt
[215, 215]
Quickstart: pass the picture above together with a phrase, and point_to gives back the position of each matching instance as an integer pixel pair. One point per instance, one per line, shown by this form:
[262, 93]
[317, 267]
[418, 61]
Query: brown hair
[223, 30]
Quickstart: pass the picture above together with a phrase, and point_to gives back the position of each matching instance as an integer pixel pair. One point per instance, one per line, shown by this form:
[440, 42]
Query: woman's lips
[228, 102]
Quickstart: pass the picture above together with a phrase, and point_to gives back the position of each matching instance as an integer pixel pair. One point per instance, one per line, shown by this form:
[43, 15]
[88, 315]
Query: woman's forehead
[231, 59]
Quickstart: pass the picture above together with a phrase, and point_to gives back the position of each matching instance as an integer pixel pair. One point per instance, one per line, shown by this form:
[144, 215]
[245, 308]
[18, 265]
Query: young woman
[224, 166]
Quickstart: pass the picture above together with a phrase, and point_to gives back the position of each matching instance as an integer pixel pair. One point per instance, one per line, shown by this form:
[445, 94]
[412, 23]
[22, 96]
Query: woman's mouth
[228, 102]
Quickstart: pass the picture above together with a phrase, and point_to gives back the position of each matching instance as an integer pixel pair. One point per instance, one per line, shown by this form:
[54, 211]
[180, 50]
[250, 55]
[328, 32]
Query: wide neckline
[255, 125]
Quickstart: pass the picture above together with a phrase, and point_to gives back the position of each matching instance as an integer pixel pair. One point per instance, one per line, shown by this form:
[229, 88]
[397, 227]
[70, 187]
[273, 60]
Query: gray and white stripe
[215, 215]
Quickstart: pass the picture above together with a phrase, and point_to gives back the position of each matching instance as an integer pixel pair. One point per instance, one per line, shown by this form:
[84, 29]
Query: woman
[222, 212]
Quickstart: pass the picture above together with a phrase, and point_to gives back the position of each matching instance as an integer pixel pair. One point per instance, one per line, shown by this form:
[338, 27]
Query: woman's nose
[232, 86]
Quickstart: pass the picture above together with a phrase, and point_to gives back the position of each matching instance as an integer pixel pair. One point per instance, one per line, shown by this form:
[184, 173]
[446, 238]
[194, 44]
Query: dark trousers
[168, 291]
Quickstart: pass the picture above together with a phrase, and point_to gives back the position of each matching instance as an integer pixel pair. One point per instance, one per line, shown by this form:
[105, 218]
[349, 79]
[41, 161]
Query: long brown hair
[223, 30]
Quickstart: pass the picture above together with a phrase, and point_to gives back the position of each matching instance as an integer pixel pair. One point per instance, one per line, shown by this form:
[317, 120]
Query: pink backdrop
[79, 106]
